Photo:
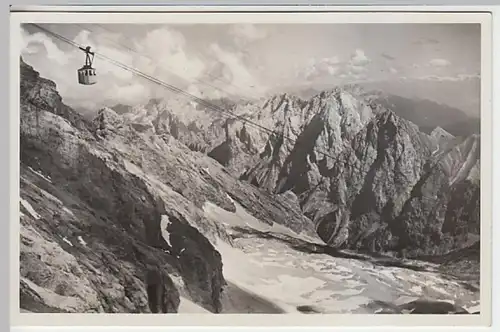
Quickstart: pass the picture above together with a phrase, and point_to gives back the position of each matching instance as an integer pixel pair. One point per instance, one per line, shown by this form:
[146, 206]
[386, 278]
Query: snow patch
[68, 211]
[189, 307]
[67, 241]
[242, 218]
[435, 151]
[404, 300]
[46, 178]
[416, 289]
[289, 278]
[30, 209]
[82, 242]
[165, 222]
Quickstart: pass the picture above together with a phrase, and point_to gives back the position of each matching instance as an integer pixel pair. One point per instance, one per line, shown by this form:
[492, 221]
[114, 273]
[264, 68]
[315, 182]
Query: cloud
[130, 94]
[393, 70]
[232, 69]
[359, 58]
[334, 60]
[357, 69]
[166, 50]
[317, 68]
[439, 62]
[32, 44]
[161, 53]
[202, 92]
[457, 78]
[332, 68]
[102, 66]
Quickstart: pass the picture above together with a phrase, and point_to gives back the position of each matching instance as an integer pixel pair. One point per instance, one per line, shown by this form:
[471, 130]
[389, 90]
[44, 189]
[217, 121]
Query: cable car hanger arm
[86, 50]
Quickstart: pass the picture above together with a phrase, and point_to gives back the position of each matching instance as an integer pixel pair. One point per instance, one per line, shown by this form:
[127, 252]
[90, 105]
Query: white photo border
[320, 14]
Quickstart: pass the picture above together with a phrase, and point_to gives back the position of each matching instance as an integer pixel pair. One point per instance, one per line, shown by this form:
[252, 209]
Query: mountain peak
[440, 133]
[122, 108]
[106, 121]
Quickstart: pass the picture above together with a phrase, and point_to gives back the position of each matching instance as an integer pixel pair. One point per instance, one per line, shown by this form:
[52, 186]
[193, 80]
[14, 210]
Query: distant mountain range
[428, 115]
[425, 113]
[331, 144]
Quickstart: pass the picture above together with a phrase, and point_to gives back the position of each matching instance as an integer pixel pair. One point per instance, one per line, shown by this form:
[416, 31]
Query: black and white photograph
[250, 168]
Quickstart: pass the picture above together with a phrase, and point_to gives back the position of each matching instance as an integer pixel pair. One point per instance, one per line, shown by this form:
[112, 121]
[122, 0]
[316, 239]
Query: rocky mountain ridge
[360, 172]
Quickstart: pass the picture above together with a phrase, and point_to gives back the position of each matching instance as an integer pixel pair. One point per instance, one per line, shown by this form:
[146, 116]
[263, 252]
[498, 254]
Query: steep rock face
[91, 237]
[446, 201]
[440, 134]
[394, 195]
[370, 182]
[307, 134]
[107, 122]
[40, 94]
[78, 262]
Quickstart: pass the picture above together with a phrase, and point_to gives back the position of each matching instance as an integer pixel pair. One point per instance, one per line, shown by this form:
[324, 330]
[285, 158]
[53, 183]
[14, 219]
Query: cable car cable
[180, 91]
[168, 86]
[208, 74]
[157, 81]
[171, 72]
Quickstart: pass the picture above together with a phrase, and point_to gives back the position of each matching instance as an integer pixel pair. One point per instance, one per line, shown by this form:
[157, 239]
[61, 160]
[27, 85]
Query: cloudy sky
[254, 60]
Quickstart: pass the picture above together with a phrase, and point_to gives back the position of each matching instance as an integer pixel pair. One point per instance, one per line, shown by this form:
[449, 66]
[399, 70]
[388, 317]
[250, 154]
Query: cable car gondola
[87, 74]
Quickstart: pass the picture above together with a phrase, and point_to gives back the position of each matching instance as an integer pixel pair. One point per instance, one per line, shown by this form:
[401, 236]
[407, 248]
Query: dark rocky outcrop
[421, 307]
[163, 297]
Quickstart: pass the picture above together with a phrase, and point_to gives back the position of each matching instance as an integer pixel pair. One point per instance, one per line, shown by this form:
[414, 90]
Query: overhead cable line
[214, 77]
[180, 91]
